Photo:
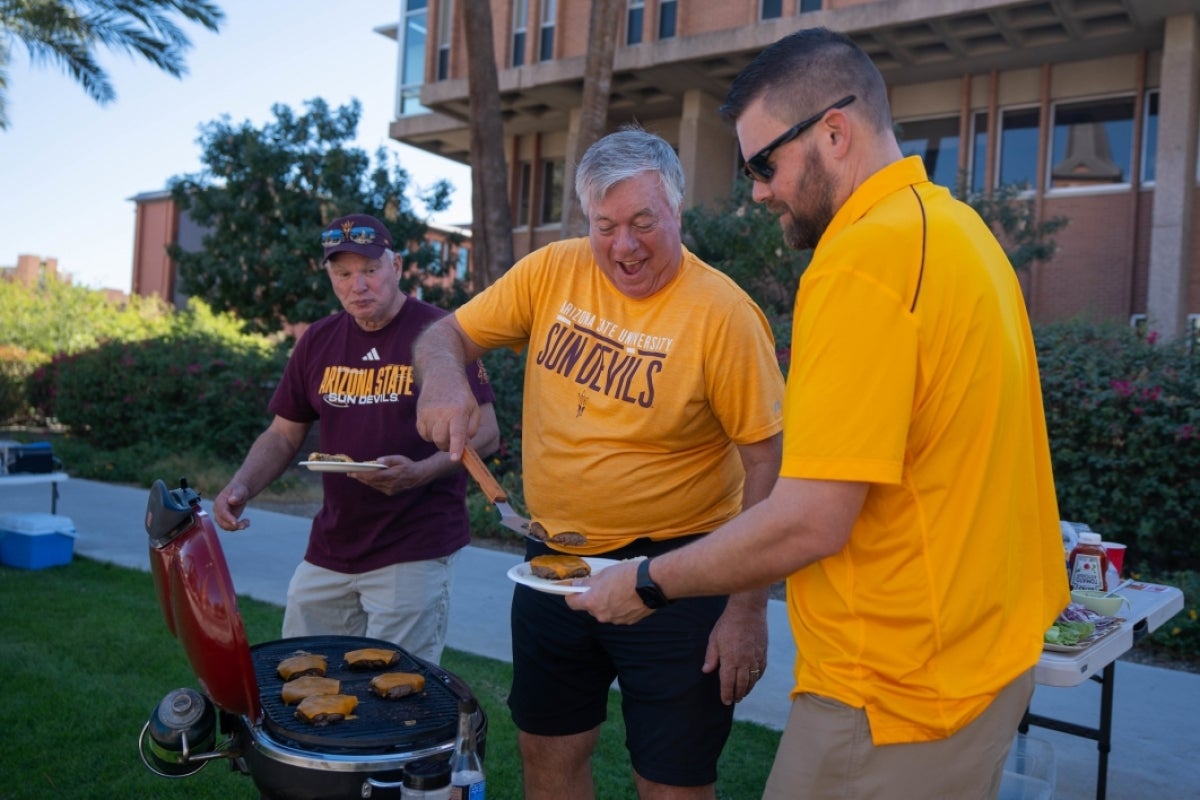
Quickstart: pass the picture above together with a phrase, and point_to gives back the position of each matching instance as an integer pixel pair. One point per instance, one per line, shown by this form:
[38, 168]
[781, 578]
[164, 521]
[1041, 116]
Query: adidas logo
[372, 355]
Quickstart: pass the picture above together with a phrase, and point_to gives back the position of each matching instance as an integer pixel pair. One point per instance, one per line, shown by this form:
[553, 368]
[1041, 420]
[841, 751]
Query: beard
[803, 229]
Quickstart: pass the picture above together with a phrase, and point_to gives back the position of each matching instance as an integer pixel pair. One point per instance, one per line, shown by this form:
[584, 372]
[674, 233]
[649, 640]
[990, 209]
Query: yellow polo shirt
[913, 369]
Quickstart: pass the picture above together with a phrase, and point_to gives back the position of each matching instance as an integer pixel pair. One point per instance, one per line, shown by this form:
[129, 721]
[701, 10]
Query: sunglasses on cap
[758, 166]
[363, 234]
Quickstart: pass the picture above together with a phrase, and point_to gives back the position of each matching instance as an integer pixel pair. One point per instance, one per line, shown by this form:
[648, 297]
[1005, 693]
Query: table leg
[1102, 735]
[53, 497]
[1104, 742]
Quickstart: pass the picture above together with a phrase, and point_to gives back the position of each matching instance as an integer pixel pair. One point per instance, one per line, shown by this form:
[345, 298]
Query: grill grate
[427, 719]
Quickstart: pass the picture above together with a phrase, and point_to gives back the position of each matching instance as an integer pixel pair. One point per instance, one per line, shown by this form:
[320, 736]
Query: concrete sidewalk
[1155, 739]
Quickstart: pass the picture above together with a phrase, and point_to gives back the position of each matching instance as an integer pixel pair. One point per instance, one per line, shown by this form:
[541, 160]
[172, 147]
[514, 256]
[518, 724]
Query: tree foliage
[67, 32]
[263, 197]
[1011, 212]
[54, 317]
[743, 239]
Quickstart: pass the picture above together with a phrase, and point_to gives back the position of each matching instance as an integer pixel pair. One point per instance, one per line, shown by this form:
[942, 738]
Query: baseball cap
[355, 233]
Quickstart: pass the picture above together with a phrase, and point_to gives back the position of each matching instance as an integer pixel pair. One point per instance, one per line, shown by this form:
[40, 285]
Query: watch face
[651, 596]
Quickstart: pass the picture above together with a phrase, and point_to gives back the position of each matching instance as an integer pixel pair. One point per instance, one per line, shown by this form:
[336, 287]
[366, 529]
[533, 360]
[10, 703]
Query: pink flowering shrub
[1124, 419]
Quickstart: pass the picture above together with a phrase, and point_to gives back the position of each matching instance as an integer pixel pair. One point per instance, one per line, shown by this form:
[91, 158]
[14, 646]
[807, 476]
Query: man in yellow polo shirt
[915, 516]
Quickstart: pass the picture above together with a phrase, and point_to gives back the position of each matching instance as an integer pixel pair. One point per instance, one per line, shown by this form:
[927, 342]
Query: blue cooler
[36, 541]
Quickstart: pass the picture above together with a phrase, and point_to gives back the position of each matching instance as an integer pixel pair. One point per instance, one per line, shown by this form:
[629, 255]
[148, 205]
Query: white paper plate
[342, 466]
[521, 574]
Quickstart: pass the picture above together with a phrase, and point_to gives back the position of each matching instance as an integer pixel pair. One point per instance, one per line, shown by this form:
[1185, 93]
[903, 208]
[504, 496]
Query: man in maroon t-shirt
[380, 549]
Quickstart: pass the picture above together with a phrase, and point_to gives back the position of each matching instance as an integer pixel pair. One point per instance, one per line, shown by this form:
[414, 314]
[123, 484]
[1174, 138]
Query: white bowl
[1100, 602]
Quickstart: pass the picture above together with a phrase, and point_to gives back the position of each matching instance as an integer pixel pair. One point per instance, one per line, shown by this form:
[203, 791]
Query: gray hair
[622, 155]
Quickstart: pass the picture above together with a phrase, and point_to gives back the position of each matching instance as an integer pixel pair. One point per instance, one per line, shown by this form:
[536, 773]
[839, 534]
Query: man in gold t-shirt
[652, 415]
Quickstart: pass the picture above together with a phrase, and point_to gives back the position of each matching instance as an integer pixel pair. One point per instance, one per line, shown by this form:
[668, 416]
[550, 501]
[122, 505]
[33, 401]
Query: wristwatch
[650, 592]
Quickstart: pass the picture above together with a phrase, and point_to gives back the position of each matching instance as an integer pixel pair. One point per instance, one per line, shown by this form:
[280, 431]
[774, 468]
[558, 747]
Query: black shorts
[564, 663]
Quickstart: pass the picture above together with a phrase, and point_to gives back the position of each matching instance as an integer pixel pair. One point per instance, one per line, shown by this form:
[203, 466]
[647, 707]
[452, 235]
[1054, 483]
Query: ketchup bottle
[1088, 563]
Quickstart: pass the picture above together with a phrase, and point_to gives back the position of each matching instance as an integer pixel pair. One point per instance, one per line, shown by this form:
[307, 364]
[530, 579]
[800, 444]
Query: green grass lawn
[85, 657]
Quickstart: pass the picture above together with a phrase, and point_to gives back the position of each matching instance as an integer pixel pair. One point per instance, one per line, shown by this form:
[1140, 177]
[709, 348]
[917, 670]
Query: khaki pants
[826, 752]
[406, 604]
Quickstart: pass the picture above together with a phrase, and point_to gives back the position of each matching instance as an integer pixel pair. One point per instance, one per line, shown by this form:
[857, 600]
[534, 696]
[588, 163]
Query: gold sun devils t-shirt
[632, 408]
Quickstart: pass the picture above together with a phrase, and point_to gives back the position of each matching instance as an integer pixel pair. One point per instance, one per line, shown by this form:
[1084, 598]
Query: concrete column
[1175, 177]
[706, 150]
[570, 199]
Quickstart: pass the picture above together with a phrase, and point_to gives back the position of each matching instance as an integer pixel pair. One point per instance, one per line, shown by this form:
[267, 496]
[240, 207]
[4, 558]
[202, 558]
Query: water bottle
[466, 768]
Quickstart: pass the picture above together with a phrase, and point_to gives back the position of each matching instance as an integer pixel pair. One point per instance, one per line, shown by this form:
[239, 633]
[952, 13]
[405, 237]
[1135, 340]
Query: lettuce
[1068, 633]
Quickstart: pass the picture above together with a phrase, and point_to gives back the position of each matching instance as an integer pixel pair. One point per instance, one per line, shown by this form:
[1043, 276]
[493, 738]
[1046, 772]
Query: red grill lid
[196, 592]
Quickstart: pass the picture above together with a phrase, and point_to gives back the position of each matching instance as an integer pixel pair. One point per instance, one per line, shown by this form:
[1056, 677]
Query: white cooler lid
[37, 524]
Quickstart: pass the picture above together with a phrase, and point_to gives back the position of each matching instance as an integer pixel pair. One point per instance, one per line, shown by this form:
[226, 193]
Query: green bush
[202, 385]
[744, 240]
[1124, 420]
[506, 371]
[16, 365]
[1181, 633]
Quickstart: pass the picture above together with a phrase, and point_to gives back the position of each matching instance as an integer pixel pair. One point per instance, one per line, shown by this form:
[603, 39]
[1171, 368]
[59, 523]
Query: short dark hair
[806, 71]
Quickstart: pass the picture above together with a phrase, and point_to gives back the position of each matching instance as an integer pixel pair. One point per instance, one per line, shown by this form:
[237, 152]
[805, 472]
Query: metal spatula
[509, 518]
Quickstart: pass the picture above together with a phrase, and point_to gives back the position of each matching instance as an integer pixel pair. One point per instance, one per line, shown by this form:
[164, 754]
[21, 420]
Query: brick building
[1094, 104]
[159, 223]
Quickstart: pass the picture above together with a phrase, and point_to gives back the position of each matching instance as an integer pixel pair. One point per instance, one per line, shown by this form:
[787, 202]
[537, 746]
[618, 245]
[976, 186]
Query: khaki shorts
[826, 752]
[406, 604]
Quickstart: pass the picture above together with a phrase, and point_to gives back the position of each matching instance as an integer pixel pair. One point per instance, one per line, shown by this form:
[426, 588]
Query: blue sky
[68, 166]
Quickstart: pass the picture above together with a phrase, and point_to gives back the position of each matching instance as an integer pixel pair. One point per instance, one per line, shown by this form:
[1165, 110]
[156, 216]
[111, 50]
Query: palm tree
[67, 32]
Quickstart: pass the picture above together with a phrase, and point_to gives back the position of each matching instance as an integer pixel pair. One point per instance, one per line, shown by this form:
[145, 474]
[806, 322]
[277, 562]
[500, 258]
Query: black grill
[426, 719]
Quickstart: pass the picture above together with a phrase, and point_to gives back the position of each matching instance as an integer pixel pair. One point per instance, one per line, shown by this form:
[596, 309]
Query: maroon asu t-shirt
[359, 384]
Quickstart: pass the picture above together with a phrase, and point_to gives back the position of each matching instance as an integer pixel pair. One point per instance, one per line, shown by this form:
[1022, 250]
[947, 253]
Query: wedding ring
[756, 672]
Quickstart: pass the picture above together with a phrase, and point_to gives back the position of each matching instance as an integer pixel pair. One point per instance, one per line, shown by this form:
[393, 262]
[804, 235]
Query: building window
[412, 57]
[552, 191]
[977, 166]
[936, 142]
[1018, 147]
[520, 22]
[633, 21]
[546, 31]
[666, 19]
[463, 255]
[445, 28]
[1150, 137]
[1092, 143]
[809, 5]
[772, 9]
[524, 190]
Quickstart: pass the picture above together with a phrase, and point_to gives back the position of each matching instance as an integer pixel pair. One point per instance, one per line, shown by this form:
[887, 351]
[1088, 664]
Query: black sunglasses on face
[758, 167]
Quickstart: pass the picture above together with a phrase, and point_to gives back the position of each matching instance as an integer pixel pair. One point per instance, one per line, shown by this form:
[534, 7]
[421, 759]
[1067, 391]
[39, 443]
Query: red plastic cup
[1116, 554]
